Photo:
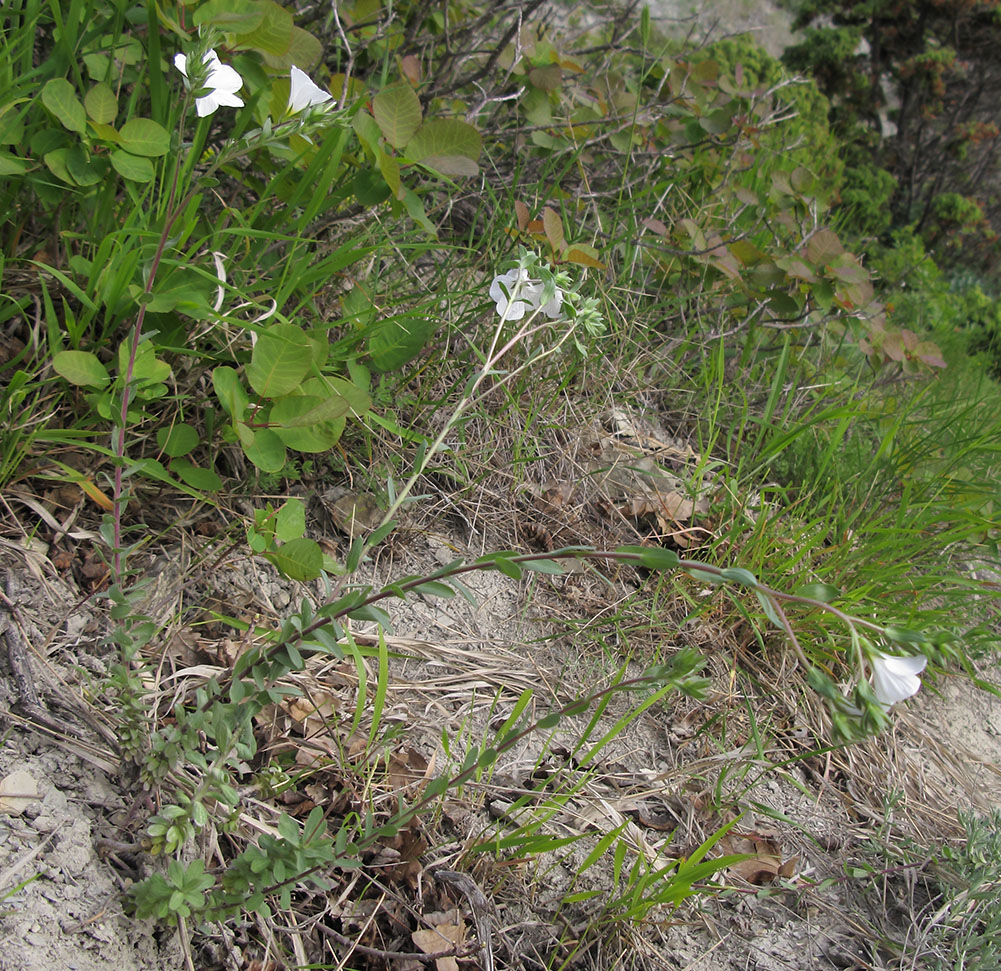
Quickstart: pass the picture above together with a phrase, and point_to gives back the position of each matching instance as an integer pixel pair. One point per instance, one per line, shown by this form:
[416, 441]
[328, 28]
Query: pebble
[45, 823]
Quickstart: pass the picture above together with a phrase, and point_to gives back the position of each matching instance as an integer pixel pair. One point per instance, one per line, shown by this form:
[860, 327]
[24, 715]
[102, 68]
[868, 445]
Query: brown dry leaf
[668, 508]
[319, 708]
[441, 938]
[766, 863]
[410, 68]
[406, 767]
[354, 512]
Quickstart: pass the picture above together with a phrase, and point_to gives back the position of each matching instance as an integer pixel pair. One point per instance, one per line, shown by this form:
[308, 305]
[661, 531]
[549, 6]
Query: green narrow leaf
[354, 555]
[902, 635]
[704, 576]
[653, 558]
[737, 574]
[378, 535]
[769, 608]
[504, 565]
[433, 588]
[415, 209]
[824, 592]
[371, 612]
[59, 96]
[544, 566]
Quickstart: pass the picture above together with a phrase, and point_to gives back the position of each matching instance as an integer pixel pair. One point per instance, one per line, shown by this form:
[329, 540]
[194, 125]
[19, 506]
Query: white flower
[528, 296]
[303, 93]
[222, 81]
[895, 678]
[501, 290]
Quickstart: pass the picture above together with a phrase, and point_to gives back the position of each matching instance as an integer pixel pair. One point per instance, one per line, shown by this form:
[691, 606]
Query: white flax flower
[895, 678]
[221, 84]
[303, 93]
[528, 294]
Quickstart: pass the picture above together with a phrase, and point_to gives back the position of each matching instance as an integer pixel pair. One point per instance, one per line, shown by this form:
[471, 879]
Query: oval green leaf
[205, 480]
[266, 450]
[81, 167]
[444, 137]
[273, 36]
[132, 167]
[80, 368]
[451, 164]
[143, 136]
[12, 165]
[299, 559]
[101, 104]
[315, 438]
[397, 111]
[290, 520]
[55, 161]
[59, 96]
[280, 360]
[231, 394]
[177, 440]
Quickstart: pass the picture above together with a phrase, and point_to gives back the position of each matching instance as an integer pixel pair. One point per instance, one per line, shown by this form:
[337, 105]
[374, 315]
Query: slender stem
[490, 361]
[118, 501]
[173, 211]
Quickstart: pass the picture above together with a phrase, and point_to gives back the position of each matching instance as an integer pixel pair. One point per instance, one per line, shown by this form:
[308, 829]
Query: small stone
[45, 823]
[17, 791]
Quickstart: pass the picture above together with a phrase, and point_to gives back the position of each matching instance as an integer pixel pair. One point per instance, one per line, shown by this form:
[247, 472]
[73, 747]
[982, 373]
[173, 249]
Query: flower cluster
[216, 84]
[516, 293]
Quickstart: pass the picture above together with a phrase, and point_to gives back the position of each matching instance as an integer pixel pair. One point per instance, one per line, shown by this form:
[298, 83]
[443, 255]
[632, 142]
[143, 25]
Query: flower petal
[554, 308]
[205, 106]
[303, 93]
[514, 310]
[221, 83]
[895, 678]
